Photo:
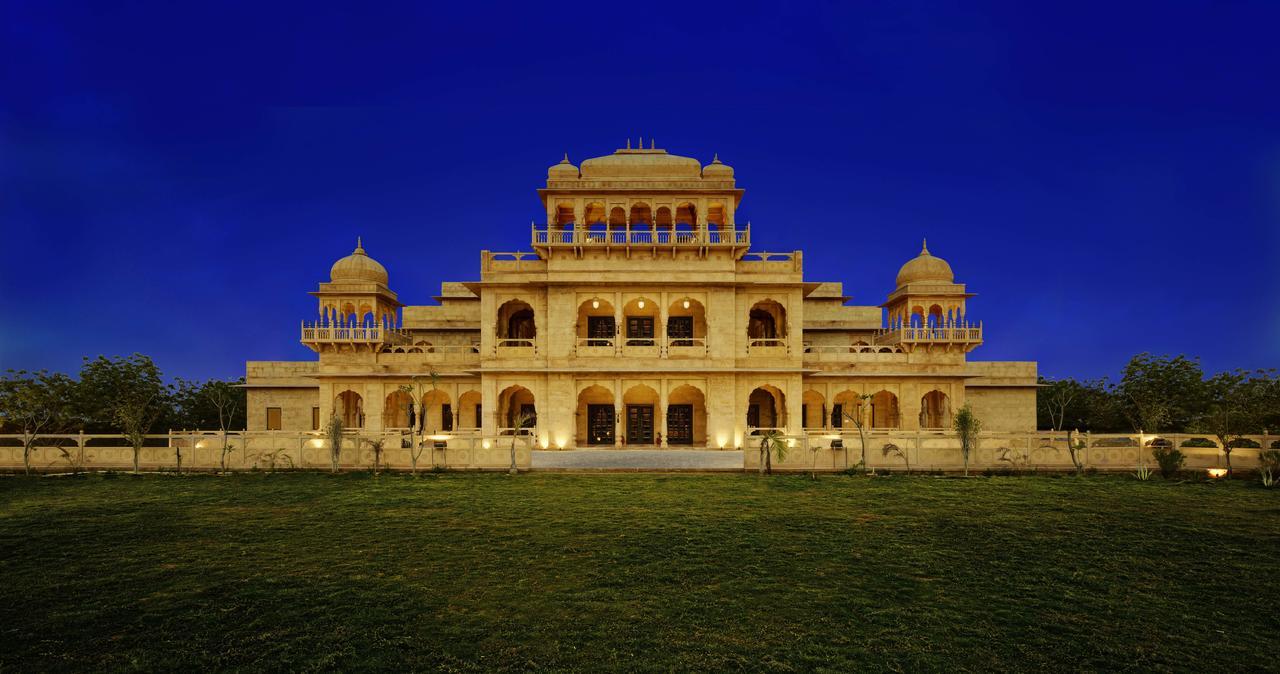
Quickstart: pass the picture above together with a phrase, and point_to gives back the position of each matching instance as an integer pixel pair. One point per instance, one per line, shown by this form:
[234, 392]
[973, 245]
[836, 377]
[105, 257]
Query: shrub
[1269, 466]
[1245, 443]
[1169, 459]
[1199, 442]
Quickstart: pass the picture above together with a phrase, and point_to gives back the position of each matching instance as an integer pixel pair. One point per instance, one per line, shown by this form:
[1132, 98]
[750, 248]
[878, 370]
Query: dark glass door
[639, 424]
[600, 330]
[600, 424]
[639, 330]
[680, 330]
[680, 424]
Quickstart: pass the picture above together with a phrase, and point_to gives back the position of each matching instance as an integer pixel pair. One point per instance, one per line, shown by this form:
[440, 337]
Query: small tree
[772, 444]
[333, 431]
[523, 420]
[859, 420]
[34, 403]
[1161, 393]
[376, 445]
[1169, 458]
[967, 427]
[129, 391]
[1269, 466]
[211, 404]
[1235, 407]
[419, 389]
[894, 450]
[1076, 447]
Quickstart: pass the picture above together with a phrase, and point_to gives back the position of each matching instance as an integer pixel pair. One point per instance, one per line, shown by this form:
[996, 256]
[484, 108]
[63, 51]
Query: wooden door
[600, 424]
[600, 330]
[680, 424]
[639, 424]
[680, 330]
[639, 330]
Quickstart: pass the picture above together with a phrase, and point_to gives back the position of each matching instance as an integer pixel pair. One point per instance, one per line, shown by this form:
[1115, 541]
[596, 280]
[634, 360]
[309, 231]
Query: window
[315, 418]
[639, 331]
[273, 418]
[479, 415]
[446, 417]
[680, 330]
[837, 415]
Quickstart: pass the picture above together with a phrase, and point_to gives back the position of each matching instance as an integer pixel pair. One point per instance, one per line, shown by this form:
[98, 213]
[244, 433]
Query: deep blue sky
[175, 177]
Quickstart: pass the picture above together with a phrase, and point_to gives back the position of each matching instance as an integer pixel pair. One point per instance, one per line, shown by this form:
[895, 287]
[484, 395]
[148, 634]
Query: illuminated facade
[641, 317]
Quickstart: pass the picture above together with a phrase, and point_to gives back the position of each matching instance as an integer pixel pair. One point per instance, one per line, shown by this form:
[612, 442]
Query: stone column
[660, 419]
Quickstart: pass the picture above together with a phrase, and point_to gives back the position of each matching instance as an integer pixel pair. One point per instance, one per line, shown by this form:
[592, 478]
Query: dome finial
[715, 159]
[566, 158]
[924, 246]
[359, 247]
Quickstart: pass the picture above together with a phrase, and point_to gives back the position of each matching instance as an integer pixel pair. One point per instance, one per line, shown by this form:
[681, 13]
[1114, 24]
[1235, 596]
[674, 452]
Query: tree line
[1165, 394]
[124, 395]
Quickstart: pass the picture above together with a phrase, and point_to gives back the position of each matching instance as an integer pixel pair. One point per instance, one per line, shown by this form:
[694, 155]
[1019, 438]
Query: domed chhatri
[358, 267]
[925, 268]
[717, 169]
[565, 170]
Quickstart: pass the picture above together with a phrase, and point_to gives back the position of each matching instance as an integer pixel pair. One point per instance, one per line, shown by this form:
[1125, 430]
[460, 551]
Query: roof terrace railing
[641, 235]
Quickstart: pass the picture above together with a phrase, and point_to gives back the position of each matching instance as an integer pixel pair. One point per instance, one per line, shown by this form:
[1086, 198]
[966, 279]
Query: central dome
[651, 163]
[358, 267]
[925, 268]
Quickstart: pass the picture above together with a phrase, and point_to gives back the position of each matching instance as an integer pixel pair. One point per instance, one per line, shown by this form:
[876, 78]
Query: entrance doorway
[680, 424]
[600, 425]
[639, 424]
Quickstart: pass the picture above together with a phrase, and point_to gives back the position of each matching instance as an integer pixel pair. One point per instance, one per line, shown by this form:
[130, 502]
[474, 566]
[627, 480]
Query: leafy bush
[1199, 442]
[1246, 443]
[1269, 466]
[1169, 459]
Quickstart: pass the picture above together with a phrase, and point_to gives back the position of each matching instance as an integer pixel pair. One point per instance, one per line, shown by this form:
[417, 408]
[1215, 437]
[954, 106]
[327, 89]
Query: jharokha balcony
[327, 336]
[615, 235]
[957, 337]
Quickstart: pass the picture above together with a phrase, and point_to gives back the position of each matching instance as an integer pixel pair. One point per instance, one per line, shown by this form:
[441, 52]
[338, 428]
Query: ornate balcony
[934, 338]
[319, 336]
[728, 236]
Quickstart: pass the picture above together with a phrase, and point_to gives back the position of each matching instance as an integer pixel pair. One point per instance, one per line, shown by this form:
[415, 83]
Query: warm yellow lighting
[438, 437]
[640, 304]
[1216, 473]
[791, 442]
[486, 444]
[201, 444]
[722, 440]
[595, 304]
[316, 444]
[833, 436]
[686, 304]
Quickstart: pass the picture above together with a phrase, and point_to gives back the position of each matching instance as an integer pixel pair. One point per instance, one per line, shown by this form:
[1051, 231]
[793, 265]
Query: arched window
[686, 323]
[884, 410]
[766, 409]
[516, 322]
[516, 410]
[398, 410]
[349, 407]
[766, 323]
[935, 410]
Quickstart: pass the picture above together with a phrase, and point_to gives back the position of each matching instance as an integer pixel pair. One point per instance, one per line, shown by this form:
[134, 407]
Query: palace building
[641, 317]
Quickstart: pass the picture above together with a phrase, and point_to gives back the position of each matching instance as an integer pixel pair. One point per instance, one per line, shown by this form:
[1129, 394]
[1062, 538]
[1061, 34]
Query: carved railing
[961, 334]
[321, 333]
[636, 235]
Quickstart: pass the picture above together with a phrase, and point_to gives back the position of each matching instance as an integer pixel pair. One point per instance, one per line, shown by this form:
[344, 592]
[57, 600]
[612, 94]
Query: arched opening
[641, 214]
[917, 317]
[766, 324]
[348, 314]
[663, 218]
[766, 409]
[593, 213]
[686, 213]
[516, 410]
[349, 407]
[436, 414]
[617, 218]
[640, 319]
[935, 410]
[686, 416]
[936, 316]
[398, 410]
[716, 215]
[595, 417]
[813, 410]
[470, 412]
[640, 409]
[423, 346]
[596, 323]
[686, 323]
[884, 410]
[847, 410]
[564, 215]
[516, 324]
[597, 232]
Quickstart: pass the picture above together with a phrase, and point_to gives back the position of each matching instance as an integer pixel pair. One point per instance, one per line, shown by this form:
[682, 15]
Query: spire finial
[566, 158]
[652, 143]
[359, 246]
[628, 143]
[715, 159]
[924, 246]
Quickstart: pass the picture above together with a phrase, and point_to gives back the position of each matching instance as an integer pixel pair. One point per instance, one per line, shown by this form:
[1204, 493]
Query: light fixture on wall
[686, 303]
[640, 304]
[595, 303]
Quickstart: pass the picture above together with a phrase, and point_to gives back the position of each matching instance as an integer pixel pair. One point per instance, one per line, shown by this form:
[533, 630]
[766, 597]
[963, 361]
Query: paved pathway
[638, 459]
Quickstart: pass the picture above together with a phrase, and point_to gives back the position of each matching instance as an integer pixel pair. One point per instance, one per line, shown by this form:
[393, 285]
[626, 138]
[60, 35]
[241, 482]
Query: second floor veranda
[642, 234]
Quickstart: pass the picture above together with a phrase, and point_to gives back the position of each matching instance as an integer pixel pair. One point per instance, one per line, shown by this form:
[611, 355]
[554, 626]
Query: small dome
[563, 171]
[358, 267]
[925, 267]
[717, 170]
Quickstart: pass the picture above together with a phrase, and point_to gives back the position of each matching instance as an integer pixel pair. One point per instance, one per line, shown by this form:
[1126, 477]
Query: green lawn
[483, 572]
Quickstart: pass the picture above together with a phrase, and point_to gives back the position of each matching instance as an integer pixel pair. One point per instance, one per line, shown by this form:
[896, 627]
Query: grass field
[484, 572]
